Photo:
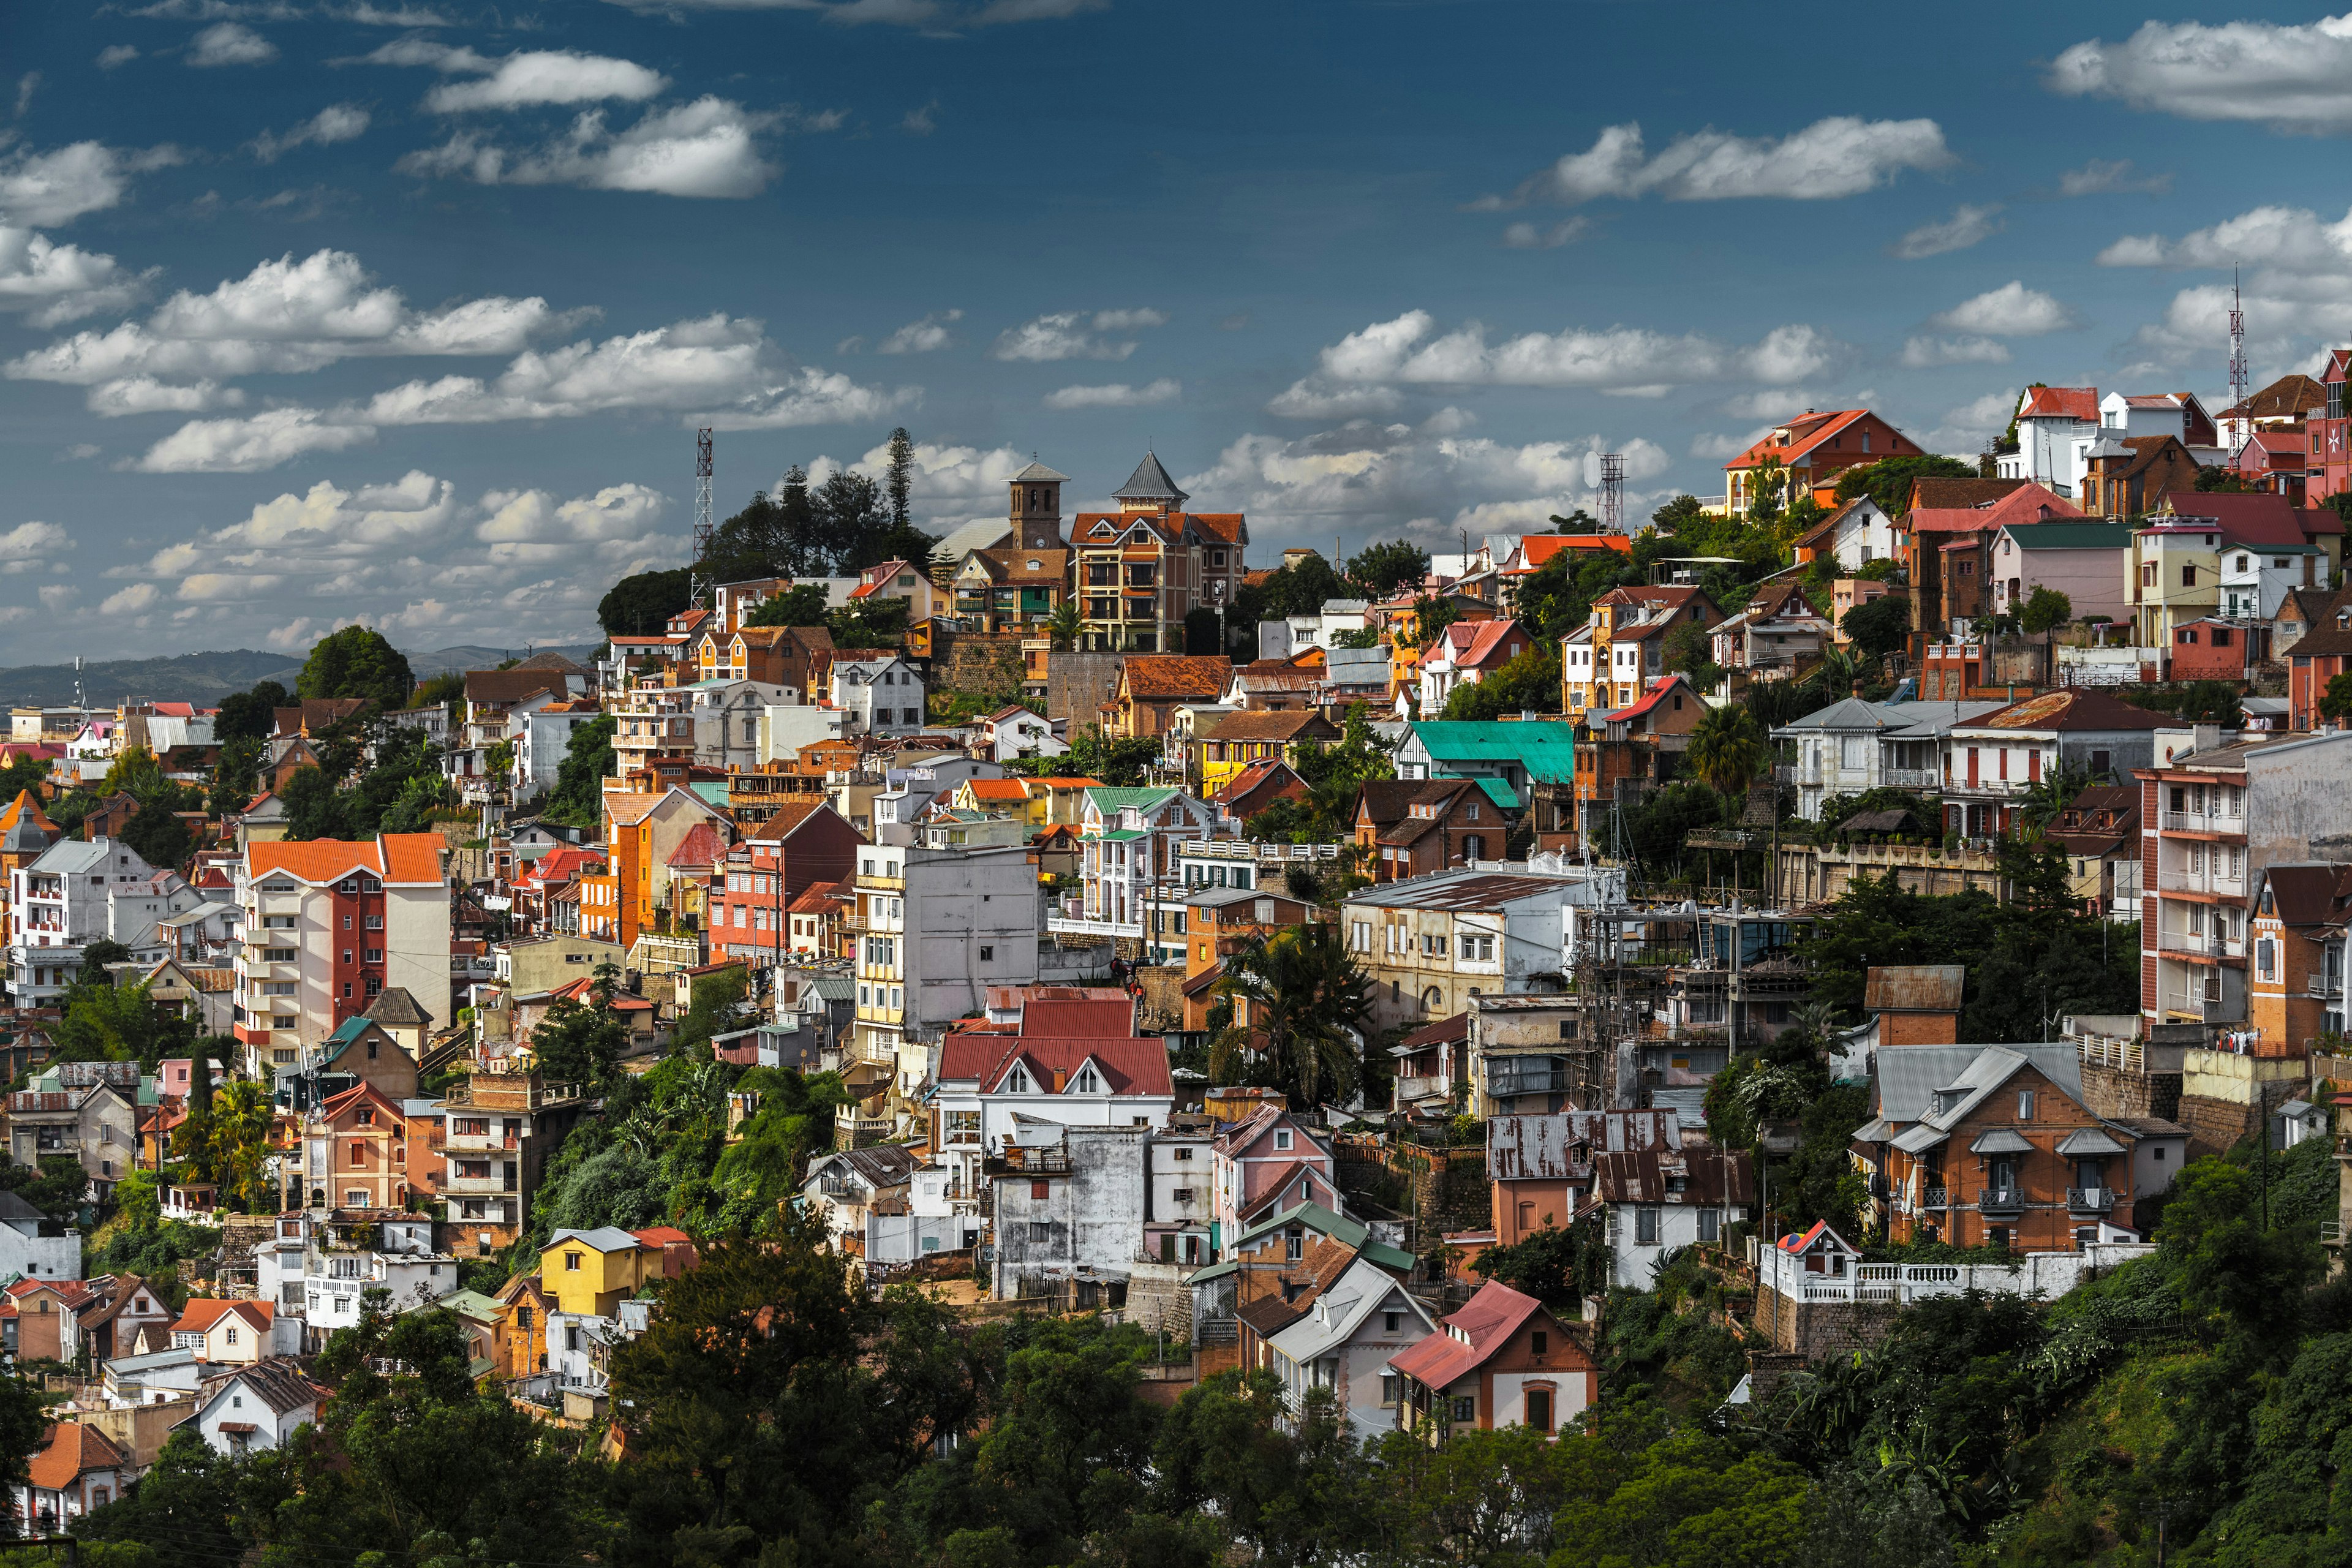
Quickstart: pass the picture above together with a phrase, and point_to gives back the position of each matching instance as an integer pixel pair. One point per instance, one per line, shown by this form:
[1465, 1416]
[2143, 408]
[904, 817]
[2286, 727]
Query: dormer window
[1016, 1081]
[1087, 1082]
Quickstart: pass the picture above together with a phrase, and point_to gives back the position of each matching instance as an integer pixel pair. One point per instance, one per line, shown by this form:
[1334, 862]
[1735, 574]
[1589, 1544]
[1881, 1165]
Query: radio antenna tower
[2240, 383]
[702, 531]
[1611, 492]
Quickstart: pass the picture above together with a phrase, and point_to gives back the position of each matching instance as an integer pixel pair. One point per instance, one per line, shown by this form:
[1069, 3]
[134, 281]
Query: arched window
[1432, 1000]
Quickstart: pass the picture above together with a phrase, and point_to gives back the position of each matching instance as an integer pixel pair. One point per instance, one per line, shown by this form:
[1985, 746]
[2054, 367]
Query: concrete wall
[1078, 684]
[1091, 1215]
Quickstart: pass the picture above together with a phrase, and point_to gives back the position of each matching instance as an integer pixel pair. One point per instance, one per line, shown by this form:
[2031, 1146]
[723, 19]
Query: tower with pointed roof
[1036, 514]
[1138, 572]
[1149, 488]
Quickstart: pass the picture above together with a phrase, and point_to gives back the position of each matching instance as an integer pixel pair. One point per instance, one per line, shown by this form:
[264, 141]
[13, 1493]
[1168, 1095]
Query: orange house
[1503, 1359]
[366, 1137]
[520, 1338]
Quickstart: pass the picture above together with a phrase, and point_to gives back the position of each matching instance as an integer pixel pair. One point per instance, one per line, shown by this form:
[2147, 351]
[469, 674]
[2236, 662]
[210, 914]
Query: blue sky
[405, 310]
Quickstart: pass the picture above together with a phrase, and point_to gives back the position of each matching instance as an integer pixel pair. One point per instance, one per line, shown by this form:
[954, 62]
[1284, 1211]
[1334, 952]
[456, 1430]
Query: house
[2275, 460]
[88, 1110]
[986, 1080]
[1503, 1359]
[1068, 1205]
[1542, 1168]
[904, 580]
[846, 1185]
[522, 1328]
[2054, 424]
[2255, 581]
[232, 1331]
[1992, 1146]
[343, 920]
[1857, 533]
[1128, 839]
[796, 658]
[1138, 572]
[803, 845]
[1011, 732]
[77, 1472]
[588, 1275]
[1627, 754]
[2126, 475]
[2331, 451]
[2179, 415]
[500, 1130]
[1343, 1342]
[2320, 654]
[1151, 687]
[1532, 1053]
[1464, 654]
[1851, 746]
[1270, 685]
[1446, 823]
[1850, 594]
[1779, 629]
[1432, 1069]
[1622, 648]
[1266, 1163]
[2099, 834]
[2287, 404]
[1522, 753]
[256, 1407]
[1655, 1200]
[1011, 587]
[1809, 450]
[1215, 924]
[1993, 761]
[2294, 984]
[63, 898]
[34, 1246]
[880, 690]
[1430, 944]
[1257, 787]
[1279, 1262]
[2087, 562]
[1239, 741]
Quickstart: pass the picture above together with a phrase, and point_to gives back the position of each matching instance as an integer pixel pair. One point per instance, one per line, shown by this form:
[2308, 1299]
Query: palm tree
[1063, 626]
[1727, 751]
[1305, 1010]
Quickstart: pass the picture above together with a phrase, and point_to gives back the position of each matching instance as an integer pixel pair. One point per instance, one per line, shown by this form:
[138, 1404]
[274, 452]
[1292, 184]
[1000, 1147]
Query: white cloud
[249, 445]
[1074, 334]
[130, 601]
[58, 595]
[57, 283]
[1315, 398]
[31, 545]
[535, 517]
[230, 44]
[2296, 269]
[707, 147]
[921, 121]
[2103, 176]
[2011, 311]
[813, 396]
[115, 55]
[336, 122]
[710, 361]
[1528, 236]
[1964, 429]
[921, 337]
[1967, 225]
[547, 76]
[145, 394]
[1922, 353]
[930, 16]
[1118, 395]
[43, 190]
[1617, 359]
[2291, 76]
[1838, 156]
[1717, 448]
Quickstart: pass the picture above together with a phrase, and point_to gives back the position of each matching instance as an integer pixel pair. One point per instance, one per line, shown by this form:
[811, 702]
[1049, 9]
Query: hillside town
[1374, 975]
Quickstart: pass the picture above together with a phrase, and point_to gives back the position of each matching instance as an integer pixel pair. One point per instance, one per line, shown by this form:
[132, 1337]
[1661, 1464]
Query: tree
[2335, 702]
[1063, 625]
[801, 605]
[356, 662]
[1690, 650]
[1305, 1009]
[1204, 631]
[314, 808]
[578, 797]
[1384, 570]
[641, 606]
[2045, 610]
[1430, 616]
[1526, 683]
[249, 715]
[158, 836]
[899, 476]
[1768, 485]
[1678, 513]
[1887, 482]
[1726, 750]
[579, 1044]
[1879, 626]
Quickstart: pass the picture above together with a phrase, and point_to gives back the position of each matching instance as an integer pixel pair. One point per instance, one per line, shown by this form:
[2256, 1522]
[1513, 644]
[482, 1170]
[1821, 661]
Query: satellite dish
[1593, 470]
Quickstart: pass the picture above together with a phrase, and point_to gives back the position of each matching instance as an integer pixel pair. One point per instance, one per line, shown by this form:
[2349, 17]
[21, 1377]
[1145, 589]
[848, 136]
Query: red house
[805, 843]
[1503, 1359]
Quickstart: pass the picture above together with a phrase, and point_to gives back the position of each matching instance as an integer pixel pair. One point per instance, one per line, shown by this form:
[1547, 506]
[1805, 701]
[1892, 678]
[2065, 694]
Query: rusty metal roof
[1709, 1176]
[1915, 988]
[1539, 1148]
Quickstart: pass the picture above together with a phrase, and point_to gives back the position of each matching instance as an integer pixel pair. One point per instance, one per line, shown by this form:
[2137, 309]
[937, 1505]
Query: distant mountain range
[206, 678]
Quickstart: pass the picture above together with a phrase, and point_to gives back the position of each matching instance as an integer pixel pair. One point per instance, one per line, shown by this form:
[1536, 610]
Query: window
[1294, 1243]
[2188, 576]
[1088, 1082]
[1041, 1230]
[1646, 1226]
[1388, 1382]
[1282, 1137]
[1392, 1321]
[1540, 1409]
[1465, 1408]
[2025, 1105]
[1539, 1342]
[987, 954]
[1710, 1224]
[232, 1336]
[572, 1263]
[1039, 1190]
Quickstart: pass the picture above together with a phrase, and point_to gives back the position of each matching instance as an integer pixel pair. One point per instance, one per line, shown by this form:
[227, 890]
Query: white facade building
[64, 900]
[879, 696]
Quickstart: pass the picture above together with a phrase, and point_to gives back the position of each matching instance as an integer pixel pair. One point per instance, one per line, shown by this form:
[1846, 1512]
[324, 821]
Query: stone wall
[2112, 1091]
[2214, 1124]
[1078, 684]
[1819, 1330]
[979, 662]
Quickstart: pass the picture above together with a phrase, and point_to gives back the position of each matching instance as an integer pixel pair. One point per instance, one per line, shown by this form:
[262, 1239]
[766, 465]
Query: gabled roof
[507, 687]
[2026, 503]
[1547, 749]
[703, 845]
[2288, 397]
[199, 1316]
[406, 859]
[73, 1450]
[1157, 677]
[1301, 724]
[2081, 403]
[1535, 549]
[1908, 1075]
[878, 1165]
[1484, 1326]
[603, 1239]
[1339, 1306]
[1660, 690]
[2252, 516]
[2076, 708]
[1130, 1066]
[276, 1381]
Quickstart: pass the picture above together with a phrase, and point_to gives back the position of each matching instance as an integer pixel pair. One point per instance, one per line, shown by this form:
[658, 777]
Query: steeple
[1149, 488]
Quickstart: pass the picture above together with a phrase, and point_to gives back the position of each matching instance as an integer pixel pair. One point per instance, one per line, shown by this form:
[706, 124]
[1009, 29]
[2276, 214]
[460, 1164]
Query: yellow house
[1242, 741]
[1057, 800]
[1008, 795]
[589, 1273]
[1404, 666]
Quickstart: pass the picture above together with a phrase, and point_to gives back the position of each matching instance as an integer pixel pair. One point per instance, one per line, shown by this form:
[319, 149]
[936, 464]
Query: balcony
[2090, 1200]
[2203, 944]
[2202, 822]
[1911, 778]
[1936, 1198]
[1414, 1088]
[477, 1186]
[1073, 925]
[2219, 883]
[2001, 1200]
[1502, 1086]
[481, 1142]
[2325, 988]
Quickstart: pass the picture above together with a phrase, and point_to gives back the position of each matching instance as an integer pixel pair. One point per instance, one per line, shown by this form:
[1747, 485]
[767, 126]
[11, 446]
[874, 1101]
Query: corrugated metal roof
[1537, 1148]
[1915, 988]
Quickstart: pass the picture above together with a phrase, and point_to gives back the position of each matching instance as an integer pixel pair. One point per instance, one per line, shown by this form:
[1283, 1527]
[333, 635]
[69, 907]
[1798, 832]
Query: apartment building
[330, 924]
[805, 844]
[1612, 658]
[934, 930]
[1140, 570]
[1430, 944]
[2215, 820]
[500, 1129]
[66, 897]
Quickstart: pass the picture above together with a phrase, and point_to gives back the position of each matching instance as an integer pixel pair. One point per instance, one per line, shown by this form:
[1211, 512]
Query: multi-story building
[1138, 572]
[328, 925]
[1811, 450]
[499, 1130]
[2054, 424]
[992, 1084]
[87, 1109]
[1127, 847]
[2192, 542]
[642, 830]
[1462, 655]
[64, 897]
[1991, 762]
[935, 928]
[1431, 943]
[1612, 658]
[797, 658]
[1624, 754]
[805, 844]
[1851, 746]
[2214, 820]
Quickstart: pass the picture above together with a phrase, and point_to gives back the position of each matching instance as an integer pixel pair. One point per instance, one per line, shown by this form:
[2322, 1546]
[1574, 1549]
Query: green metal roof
[1501, 794]
[1120, 835]
[1547, 749]
[712, 793]
[2071, 535]
[1110, 800]
[1346, 1231]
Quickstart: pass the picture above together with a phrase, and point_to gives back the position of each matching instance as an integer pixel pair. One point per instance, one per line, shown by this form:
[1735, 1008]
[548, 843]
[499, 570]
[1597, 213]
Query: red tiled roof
[2250, 517]
[1132, 1065]
[1011, 791]
[1660, 690]
[1155, 675]
[1488, 1320]
[201, 1315]
[2061, 403]
[408, 858]
[72, 1451]
[2025, 504]
[1535, 549]
[702, 846]
[1805, 432]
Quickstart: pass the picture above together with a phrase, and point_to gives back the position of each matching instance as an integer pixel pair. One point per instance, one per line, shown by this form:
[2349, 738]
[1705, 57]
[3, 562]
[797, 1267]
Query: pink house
[1267, 1162]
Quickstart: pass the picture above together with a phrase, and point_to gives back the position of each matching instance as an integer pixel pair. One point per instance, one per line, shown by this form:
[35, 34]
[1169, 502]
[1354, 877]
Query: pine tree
[900, 482]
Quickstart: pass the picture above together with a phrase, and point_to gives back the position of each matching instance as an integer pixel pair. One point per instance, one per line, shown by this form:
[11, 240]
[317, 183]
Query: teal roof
[1111, 801]
[1547, 749]
[1501, 794]
[1120, 835]
[1346, 1231]
[713, 793]
[350, 1029]
[2064, 535]
[1214, 1271]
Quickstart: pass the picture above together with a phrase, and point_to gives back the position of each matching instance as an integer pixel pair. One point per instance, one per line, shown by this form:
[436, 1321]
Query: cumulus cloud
[2292, 77]
[115, 55]
[1967, 225]
[708, 148]
[1313, 397]
[284, 316]
[1963, 430]
[130, 601]
[535, 517]
[247, 445]
[1530, 237]
[43, 190]
[812, 396]
[2298, 283]
[2011, 311]
[1074, 334]
[1118, 395]
[546, 76]
[58, 283]
[336, 122]
[1624, 360]
[29, 546]
[230, 44]
[2103, 176]
[921, 337]
[1839, 156]
[1923, 352]
[710, 361]
[145, 394]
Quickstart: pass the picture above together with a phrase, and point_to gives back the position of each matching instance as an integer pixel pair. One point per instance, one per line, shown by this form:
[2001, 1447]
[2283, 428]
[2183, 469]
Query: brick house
[1151, 687]
[1627, 752]
[1448, 822]
[1542, 1169]
[1812, 448]
[2294, 992]
[1503, 1359]
[2125, 476]
[804, 845]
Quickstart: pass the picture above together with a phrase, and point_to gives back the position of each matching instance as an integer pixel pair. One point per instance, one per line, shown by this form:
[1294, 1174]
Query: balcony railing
[1912, 778]
[2201, 822]
[1936, 1198]
[2001, 1200]
[2204, 942]
[2090, 1200]
[2222, 882]
[2324, 986]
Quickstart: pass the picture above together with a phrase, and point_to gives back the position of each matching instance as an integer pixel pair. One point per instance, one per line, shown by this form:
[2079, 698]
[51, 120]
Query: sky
[405, 311]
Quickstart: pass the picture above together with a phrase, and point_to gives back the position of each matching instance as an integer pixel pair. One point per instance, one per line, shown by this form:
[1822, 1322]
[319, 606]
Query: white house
[2176, 413]
[1658, 1200]
[1857, 533]
[2256, 579]
[2055, 425]
[992, 1087]
[258, 1406]
[844, 1185]
[881, 694]
[1323, 627]
[786, 727]
[1852, 745]
[1017, 732]
[1344, 1344]
[1127, 844]
[64, 900]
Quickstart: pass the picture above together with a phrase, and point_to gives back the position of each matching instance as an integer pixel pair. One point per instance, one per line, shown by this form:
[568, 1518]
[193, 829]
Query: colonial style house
[1267, 1162]
[1140, 570]
[1465, 654]
[1446, 823]
[1809, 451]
[1153, 687]
[1503, 1359]
[1343, 1342]
[1622, 648]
